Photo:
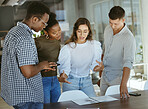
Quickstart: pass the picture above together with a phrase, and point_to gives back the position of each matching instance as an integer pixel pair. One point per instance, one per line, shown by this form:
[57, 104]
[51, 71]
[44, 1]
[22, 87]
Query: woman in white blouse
[80, 55]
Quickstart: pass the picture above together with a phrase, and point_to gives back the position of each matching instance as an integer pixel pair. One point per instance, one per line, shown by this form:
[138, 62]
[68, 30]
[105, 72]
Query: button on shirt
[19, 50]
[119, 52]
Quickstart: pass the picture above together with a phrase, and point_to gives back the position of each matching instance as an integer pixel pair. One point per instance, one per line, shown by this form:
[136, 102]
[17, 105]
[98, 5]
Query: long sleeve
[129, 52]
[97, 53]
[64, 60]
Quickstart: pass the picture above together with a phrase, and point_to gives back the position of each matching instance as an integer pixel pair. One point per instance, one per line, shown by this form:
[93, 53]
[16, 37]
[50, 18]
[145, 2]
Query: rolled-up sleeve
[64, 60]
[129, 52]
[97, 54]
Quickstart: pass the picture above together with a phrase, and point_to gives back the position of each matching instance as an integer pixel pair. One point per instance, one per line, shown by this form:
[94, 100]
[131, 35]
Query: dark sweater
[48, 50]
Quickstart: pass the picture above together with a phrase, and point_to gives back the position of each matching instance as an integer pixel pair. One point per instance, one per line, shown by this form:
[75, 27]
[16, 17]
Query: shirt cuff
[128, 64]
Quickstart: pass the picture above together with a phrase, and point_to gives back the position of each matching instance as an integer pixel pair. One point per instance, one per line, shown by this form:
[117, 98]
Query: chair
[72, 95]
[146, 85]
[115, 89]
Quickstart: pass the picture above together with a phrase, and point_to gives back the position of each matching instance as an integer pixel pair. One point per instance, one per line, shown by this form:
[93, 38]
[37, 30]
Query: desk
[139, 102]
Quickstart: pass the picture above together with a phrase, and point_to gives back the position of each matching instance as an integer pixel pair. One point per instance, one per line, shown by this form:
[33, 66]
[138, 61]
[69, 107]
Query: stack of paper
[91, 100]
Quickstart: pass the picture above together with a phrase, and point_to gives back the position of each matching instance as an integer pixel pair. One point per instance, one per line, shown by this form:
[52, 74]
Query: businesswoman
[80, 55]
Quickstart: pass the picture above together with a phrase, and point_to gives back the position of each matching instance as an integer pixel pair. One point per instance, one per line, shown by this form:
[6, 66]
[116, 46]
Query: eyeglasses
[43, 22]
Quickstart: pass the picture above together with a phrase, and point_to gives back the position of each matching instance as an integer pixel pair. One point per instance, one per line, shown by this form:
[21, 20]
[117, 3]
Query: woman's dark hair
[37, 9]
[51, 22]
[80, 21]
[116, 12]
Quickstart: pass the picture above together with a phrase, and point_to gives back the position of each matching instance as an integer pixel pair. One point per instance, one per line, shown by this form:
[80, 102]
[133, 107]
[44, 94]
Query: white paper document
[91, 100]
[104, 98]
[84, 101]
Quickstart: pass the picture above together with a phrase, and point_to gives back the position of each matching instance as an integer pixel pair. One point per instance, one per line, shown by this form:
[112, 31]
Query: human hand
[99, 67]
[124, 91]
[50, 66]
[63, 78]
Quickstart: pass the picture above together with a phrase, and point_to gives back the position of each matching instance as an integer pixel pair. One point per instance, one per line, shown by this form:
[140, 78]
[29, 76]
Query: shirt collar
[123, 29]
[25, 26]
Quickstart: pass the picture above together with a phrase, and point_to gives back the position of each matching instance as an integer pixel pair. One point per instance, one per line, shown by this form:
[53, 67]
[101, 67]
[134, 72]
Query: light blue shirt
[119, 52]
[77, 60]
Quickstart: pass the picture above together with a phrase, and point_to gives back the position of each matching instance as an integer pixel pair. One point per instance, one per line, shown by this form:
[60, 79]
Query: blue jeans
[52, 90]
[84, 84]
[29, 105]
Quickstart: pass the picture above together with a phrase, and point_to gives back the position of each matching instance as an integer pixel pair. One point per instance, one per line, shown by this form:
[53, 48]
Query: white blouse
[78, 59]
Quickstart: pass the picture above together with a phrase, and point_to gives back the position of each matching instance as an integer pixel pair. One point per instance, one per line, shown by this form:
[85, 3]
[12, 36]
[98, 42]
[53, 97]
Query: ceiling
[20, 2]
[11, 2]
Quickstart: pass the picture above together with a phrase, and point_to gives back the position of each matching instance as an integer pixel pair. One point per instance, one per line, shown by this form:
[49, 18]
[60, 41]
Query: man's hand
[50, 66]
[99, 67]
[31, 70]
[63, 78]
[123, 85]
[123, 91]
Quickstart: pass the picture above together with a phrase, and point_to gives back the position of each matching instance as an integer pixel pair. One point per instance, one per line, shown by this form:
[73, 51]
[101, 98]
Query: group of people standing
[23, 58]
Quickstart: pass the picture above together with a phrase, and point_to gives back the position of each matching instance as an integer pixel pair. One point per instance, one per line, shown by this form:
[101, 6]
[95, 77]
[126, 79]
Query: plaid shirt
[19, 50]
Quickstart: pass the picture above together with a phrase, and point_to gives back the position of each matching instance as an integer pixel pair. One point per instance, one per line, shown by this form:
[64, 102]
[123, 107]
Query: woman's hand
[63, 78]
[99, 67]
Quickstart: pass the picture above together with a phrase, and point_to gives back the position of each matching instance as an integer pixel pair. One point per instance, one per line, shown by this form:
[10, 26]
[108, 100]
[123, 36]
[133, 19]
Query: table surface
[134, 102]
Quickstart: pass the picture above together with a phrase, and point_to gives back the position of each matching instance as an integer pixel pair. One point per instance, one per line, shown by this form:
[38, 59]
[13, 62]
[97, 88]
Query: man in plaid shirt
[21, 81]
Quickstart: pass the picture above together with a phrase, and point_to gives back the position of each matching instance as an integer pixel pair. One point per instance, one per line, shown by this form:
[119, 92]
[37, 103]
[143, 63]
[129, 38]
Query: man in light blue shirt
[119, 51]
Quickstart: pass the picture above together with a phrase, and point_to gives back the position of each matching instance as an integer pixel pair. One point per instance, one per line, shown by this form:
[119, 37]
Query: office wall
[71, 10]
[144, 14]
[6, 18]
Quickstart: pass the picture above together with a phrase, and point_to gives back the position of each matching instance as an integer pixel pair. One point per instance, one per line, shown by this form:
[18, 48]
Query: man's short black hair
[37, 9]
[116, 12]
